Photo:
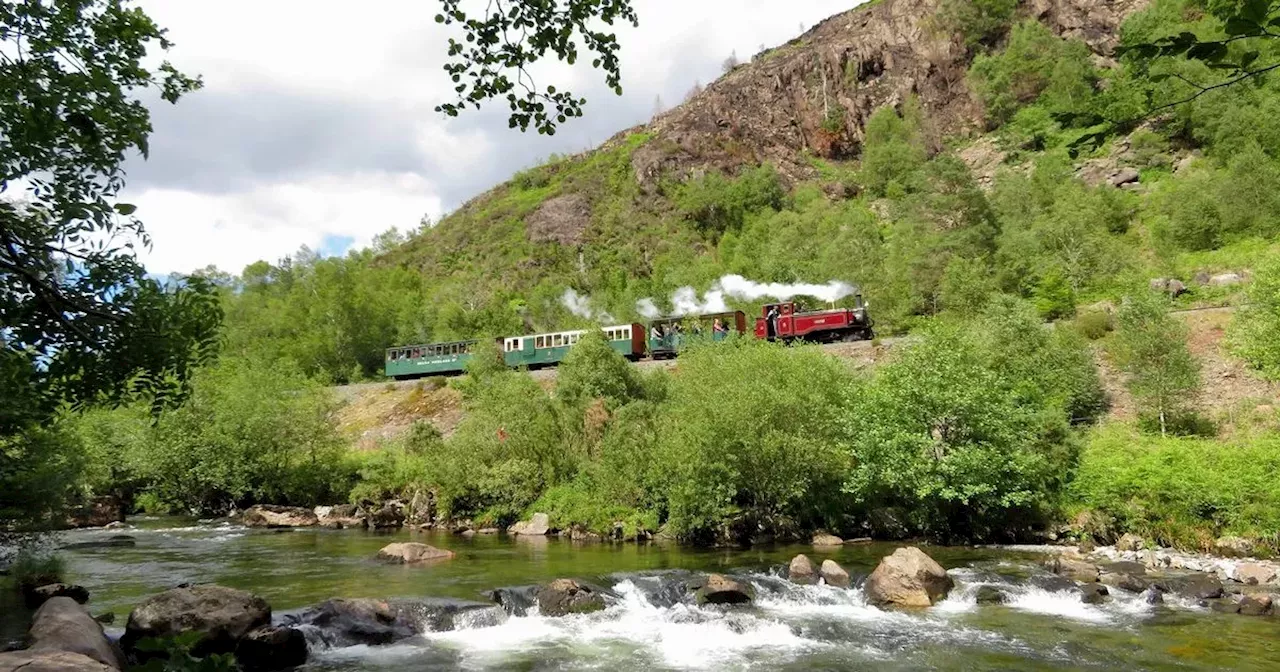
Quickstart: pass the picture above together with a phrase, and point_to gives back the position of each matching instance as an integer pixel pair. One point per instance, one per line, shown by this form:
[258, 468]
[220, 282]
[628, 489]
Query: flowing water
[646, 626]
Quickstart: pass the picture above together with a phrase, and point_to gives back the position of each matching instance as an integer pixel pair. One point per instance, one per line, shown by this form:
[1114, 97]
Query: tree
[730, 63]
[500, 45]
[658, 106]
[977, 20]
[82, 323]
[1255, 330]
[1151, 346]
[1248, 25]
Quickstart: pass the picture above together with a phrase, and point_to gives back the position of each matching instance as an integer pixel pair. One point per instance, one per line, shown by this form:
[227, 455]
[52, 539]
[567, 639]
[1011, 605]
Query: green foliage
[1094, 324]
[1035, 66]
[251, 432]
[1181, 492]
[716, 204]
[594, 370]
[493, 66]
[750, 440]
[40, 469]
[1255, 329]
[401, 471]
[1151, 346]
[34, 568]
[894, 149]
[977, 21]
[1053, 296]
[173, 654]
[966, 428]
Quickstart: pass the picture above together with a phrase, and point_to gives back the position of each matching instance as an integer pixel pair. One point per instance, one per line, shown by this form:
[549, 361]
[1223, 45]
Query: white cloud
[346, 142]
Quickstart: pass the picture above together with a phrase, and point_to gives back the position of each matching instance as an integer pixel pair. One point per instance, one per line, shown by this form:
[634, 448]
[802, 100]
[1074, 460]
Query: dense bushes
[1036, 66]
[250, 432]
[1181, 491]
[1255, 334]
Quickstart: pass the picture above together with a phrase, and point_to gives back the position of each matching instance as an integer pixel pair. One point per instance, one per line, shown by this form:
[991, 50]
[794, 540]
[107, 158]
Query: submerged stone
[720, 589]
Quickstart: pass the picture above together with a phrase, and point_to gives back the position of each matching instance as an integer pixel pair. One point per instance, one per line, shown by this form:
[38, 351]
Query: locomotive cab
[787, 321]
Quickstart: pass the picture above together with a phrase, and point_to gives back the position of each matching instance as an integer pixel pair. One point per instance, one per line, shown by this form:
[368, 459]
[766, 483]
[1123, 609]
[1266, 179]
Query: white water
[787, 624]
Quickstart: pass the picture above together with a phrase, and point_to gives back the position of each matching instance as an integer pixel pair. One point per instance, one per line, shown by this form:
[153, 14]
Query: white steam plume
[685, 301]
[580, 305]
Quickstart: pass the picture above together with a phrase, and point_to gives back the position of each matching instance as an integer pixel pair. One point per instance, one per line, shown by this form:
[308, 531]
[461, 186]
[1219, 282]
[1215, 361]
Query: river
[788, 628]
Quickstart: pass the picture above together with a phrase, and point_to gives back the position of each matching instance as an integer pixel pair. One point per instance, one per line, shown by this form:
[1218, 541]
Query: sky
[316, 124]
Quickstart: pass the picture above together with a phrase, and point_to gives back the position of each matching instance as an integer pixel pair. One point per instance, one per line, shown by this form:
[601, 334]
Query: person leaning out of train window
[718, 332]
[655, 332]
[772, 318]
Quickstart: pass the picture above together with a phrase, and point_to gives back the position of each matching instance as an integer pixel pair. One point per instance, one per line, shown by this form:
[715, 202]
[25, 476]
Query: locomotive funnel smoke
[685, 301]
[580, 305]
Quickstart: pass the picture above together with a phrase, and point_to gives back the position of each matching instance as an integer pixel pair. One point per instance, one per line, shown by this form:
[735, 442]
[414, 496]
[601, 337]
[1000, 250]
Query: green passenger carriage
[668, 335]
[435, 359]
[541, 350]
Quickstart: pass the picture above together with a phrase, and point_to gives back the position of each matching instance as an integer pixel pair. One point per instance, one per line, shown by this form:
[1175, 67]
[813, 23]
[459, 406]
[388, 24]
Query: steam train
[661, 339]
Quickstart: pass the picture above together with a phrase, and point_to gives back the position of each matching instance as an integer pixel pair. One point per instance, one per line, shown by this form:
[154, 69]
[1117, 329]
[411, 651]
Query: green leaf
[126, 209]
[1241, 26]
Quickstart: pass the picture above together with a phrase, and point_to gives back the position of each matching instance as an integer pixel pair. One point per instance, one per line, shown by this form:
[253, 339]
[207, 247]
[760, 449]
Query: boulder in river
[834, 575]
[720, 589]
[990, 595]
[907, 578]
[50, 661]
[391, 515]
[1130, 542]
[1197, 586]
[340, 516]
[271, 648]
[1130, 576]
[801, 570]
[114, 541]
[821, 540]
[350, 622]
[37, 596]
[566, 596]
[1253, 573]
[412, 553]
[1074, 567]
[1051, 582]
[270, 515]
[221, 615]
[1255, 605]
[537, 526]
[1093, 593]
[61, 624]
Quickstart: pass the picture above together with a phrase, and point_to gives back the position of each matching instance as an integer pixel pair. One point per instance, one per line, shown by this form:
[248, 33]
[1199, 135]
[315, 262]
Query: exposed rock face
[50, 661]
[801, 570]
[1226, 280]
[908, 578]
[39, 595]
[62, 625]
[271, 648]
[537, 526]
[98, 512]
[827, 540]
[412, 553]
[815, 94]
[222, 615]
[566, 596]
[270, 515]
[562, 219]
[720, 589]
[1172, 288]
[341, 516]
[834, 575]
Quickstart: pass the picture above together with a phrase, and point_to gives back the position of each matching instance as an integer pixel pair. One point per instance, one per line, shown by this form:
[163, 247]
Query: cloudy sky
[316, 124]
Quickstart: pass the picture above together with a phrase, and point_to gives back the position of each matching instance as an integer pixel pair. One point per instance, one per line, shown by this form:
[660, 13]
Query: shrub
[716, 204]
[977, 21]
[894, 150]
[1035, 66]
[1181, 492]
[750, 440]
[33, 568]
[1093, 324]
[1255, 329]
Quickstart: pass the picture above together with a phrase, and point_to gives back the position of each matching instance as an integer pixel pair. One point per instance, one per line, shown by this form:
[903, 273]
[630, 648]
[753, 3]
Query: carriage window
[540, 342]
[626, 334]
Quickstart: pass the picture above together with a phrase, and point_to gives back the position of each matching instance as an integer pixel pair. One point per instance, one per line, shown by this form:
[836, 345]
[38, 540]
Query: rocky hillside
[814, 95]
[889, 148]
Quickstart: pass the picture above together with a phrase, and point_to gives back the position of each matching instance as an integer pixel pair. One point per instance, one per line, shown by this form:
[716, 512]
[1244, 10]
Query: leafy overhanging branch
[501, 44]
